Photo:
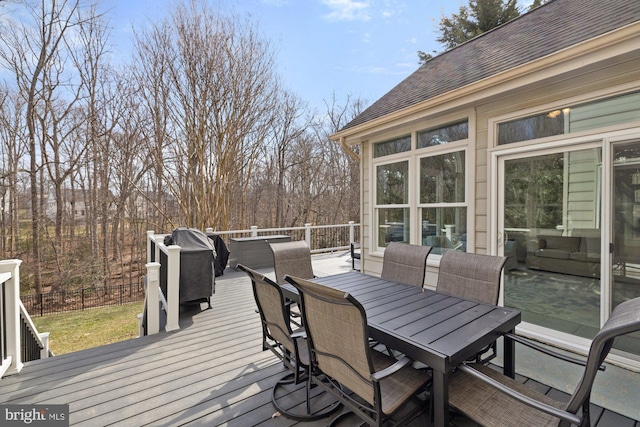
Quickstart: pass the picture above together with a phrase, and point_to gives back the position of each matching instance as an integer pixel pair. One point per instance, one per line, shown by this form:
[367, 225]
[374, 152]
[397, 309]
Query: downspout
[348, 149]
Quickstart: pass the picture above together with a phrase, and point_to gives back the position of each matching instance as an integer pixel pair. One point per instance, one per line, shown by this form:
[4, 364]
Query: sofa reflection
[577, 254]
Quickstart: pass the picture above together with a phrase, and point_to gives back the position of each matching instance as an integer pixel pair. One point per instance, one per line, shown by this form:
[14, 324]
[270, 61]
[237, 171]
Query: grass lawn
[79, 330]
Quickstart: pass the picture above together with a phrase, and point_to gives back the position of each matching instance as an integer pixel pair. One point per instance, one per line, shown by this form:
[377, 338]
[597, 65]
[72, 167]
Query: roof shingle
[550, 28]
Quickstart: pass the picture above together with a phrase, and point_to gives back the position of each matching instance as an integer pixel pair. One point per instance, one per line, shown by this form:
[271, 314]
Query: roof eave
[612, 44]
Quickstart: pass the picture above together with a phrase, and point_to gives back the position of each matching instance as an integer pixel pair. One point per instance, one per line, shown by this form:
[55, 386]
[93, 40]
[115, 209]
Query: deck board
[211, 372]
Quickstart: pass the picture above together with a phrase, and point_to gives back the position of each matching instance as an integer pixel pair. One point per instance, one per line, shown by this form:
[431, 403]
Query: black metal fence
[81, 299]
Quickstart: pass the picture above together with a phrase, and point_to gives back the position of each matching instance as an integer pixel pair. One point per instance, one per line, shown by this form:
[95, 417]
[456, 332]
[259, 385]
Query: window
[610, 111]
[420, 192]
[443, 135]
[394, 146]
[539, 126]
[392, 202]
[442, 201]
[442, 178]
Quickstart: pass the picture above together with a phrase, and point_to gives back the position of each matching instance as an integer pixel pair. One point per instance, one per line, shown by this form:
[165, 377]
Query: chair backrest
[271, 306]
[337, 333]
[624, 319]
[293, 259]
[405, 263]
[472, 276]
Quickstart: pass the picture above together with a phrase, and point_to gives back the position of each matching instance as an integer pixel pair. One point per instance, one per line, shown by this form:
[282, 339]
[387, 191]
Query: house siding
[557, 91]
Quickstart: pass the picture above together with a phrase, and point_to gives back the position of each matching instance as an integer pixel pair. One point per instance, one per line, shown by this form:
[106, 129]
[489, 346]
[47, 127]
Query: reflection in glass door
[550, 207]
[626, 232]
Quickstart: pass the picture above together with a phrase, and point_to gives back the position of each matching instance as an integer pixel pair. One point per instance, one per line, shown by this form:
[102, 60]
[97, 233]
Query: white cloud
[409, 65]
[347, 10]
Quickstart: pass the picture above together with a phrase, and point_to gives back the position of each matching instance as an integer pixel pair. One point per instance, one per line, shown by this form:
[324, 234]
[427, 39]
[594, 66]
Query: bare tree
[12, 146]
[152, 77]
[288, 128]
[29, 50]
[222, 88]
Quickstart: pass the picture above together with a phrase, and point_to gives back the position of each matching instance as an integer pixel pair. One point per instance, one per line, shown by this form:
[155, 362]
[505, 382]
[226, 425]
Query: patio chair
[294, 259]
[343, 363]
[492, 399]
[355, 254]
[405, 263]
[278, 337]
[472, 276]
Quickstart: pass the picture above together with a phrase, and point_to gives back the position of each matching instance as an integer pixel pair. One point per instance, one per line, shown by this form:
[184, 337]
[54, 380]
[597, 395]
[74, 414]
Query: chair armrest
[300, 333]
[533, 345]
[377, 376]
[572, 418]
[353, 247]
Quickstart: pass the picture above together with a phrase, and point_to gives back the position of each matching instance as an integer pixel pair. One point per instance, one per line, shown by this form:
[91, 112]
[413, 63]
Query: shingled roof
[550, 28]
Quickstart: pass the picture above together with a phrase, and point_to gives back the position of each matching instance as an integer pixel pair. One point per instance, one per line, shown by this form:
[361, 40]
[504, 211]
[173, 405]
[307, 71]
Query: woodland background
[195, 129]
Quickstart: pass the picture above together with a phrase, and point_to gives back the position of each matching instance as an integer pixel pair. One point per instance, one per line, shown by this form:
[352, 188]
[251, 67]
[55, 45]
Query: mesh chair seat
[503, 411]
[337, 334]
[397, 388]
[492, 399]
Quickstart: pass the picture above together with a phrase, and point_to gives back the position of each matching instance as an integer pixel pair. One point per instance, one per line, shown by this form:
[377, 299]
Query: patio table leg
[509, 356]
[440, 398]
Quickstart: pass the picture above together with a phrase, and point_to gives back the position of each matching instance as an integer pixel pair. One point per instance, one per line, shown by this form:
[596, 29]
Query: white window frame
[413, 156]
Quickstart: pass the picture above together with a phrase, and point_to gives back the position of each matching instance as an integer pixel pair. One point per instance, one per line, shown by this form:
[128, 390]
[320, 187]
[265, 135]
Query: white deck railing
[19, 339]
[163, 266]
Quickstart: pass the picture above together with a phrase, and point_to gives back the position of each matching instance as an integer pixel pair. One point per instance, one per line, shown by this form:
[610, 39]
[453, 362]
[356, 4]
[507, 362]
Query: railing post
[153, 297]
[352, 233]
[150, 234]
[254, 231]
[140, 324]
[44, 352]
[12, 314]
[307, 234]
[173, 288]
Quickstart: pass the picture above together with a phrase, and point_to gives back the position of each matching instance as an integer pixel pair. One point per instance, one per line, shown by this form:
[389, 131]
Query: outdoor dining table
[438, 330]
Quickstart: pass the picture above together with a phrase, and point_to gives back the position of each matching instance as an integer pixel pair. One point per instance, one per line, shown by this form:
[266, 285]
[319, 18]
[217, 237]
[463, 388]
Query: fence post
[153, 298]
[254, 231]
[12, 315]
[352, 233]
[173, 288]
[307, 234]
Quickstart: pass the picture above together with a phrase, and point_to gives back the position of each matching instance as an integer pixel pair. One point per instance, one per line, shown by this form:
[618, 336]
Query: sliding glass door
[569, 222]
[625, 213]
[550, 225]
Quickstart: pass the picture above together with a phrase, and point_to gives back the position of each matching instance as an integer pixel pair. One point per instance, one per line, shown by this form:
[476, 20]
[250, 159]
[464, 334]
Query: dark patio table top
[438, 330]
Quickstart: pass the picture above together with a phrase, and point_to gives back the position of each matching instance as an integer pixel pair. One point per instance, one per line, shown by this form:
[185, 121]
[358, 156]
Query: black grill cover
[197, 258]
[222, 253]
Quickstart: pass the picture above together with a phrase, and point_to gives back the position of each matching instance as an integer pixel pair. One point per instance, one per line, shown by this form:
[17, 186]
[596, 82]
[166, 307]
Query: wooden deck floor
[212, 372]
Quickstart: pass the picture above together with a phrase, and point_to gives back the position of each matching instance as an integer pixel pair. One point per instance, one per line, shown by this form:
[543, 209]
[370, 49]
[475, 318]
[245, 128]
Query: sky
[356, 48]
